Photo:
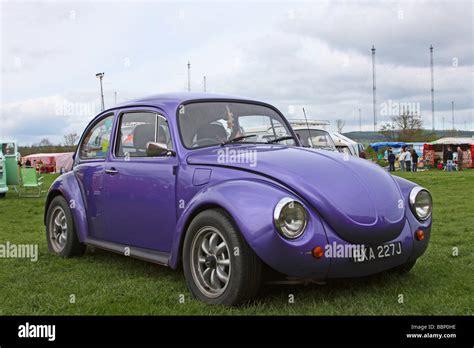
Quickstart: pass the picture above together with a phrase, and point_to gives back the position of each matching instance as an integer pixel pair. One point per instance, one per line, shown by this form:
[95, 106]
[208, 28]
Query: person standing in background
[391, 161]
[449, 159]
[460, 158]
[408, 160]
[414, 160]
[401, 159]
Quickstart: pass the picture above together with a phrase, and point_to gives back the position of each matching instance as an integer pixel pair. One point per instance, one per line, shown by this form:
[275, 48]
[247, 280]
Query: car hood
[361, 202]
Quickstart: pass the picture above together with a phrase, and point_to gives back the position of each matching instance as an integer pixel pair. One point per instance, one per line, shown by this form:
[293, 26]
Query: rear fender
[67, 186]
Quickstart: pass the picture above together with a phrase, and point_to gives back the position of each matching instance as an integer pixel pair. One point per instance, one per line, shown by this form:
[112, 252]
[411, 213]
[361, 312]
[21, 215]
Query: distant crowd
[408, 159]
[454, 160]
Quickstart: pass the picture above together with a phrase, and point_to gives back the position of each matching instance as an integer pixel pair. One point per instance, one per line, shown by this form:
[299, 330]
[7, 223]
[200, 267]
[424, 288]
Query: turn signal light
[420, 235]
[318, 252]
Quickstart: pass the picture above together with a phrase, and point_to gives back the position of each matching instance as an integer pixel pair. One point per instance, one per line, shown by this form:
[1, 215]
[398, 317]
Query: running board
[158, 257]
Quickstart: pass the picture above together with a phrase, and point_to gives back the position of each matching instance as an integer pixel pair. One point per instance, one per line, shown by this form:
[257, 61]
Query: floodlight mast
[100, 76]
[374, 88]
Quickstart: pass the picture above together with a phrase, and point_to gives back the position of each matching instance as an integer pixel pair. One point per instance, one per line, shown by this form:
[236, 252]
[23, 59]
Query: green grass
[106, 283]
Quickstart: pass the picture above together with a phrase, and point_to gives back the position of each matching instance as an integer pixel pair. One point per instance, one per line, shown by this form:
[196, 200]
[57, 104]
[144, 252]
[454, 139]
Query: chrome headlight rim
[277, 217]
[413, 196]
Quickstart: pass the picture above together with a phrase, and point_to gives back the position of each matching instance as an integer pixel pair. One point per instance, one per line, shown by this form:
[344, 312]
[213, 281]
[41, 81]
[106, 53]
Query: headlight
[421, 203]
[290, 218]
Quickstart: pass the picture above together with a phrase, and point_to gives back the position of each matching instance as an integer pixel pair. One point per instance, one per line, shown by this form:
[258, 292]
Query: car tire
[3, 194]
[204, 239]
[61, 231]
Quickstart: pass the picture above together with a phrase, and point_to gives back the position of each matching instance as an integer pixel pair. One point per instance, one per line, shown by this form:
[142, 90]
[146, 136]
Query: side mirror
[158, 150]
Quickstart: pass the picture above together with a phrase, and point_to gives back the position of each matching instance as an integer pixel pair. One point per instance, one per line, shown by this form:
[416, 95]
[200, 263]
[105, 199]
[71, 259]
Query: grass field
[106, 283]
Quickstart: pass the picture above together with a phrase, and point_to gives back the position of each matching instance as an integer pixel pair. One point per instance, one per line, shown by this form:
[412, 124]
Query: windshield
[213, 123]
[316, 138]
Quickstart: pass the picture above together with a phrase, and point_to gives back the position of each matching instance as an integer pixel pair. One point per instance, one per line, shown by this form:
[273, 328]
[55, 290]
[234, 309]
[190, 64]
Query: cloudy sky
[314, 54]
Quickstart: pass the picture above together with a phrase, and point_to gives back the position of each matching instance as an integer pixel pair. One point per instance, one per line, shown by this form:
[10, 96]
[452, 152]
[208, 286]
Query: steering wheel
[205, 141]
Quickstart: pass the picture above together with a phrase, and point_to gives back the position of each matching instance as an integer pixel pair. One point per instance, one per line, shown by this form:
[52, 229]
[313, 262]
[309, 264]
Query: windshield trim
[235, 101]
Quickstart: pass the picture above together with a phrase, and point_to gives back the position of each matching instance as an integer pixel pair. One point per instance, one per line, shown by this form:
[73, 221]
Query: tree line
[46, 146]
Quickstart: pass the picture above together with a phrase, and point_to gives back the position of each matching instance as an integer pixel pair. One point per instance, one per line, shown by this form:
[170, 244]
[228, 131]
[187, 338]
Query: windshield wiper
[233, 140]
[276, 140]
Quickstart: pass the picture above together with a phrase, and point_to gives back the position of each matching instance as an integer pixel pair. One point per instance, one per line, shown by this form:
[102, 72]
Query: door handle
[111, 171]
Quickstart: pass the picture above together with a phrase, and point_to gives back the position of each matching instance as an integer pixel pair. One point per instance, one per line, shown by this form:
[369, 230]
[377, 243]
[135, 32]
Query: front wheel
[219, 266]
[60, 230]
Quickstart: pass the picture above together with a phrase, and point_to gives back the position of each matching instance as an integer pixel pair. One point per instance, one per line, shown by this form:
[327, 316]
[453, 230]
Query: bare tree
[340, 123]
[404, 127]
[45, 142]
[388, 131]
[71, 139]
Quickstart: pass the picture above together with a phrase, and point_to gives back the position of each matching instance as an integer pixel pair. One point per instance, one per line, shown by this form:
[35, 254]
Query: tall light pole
[443, 124]
[100, 76]
[204, 83]
[115, 96]
[189, 76]
[432, 88]
[360, 122]
[374, 88]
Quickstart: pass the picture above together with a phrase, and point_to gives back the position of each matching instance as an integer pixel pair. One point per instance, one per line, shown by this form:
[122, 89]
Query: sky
[315, 54]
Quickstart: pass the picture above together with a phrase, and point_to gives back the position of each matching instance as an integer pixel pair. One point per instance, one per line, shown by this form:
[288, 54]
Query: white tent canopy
[454, 141]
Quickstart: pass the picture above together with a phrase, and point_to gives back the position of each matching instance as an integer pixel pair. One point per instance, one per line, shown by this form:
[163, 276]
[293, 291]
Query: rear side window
[97, 140]
[137, 129]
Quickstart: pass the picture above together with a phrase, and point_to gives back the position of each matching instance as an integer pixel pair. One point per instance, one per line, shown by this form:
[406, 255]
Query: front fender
[404, 184]
[420, 246]
[67, 186]
[250, 203]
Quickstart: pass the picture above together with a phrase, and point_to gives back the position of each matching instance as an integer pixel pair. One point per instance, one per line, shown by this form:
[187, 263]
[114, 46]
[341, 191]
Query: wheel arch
[67, 187]
[52, 194]
[176, 261]
[263, 196]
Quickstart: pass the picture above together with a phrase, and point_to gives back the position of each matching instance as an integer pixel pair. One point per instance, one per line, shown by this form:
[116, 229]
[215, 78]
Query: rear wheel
[60, 230]
[219, 266]
[3, 194]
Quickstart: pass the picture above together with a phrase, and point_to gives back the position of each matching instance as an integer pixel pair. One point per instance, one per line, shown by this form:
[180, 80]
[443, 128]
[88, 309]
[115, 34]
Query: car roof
[168, 100]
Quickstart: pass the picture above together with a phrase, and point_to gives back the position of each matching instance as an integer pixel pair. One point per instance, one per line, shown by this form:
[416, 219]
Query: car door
[89, 170]
[140, 205]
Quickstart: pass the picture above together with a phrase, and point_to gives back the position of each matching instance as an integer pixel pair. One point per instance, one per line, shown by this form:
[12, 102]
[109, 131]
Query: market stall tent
[435, 152]
[50, 162]
[394, 144]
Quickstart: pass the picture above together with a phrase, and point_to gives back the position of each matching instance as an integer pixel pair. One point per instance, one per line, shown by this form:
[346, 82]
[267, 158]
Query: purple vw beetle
[221, 186]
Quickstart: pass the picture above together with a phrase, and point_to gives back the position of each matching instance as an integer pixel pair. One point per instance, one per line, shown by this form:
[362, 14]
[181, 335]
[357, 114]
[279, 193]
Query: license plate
[370, 253]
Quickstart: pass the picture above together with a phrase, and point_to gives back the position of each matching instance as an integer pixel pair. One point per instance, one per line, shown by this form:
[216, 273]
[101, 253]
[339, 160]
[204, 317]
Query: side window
[137, 129]
[96, 142]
